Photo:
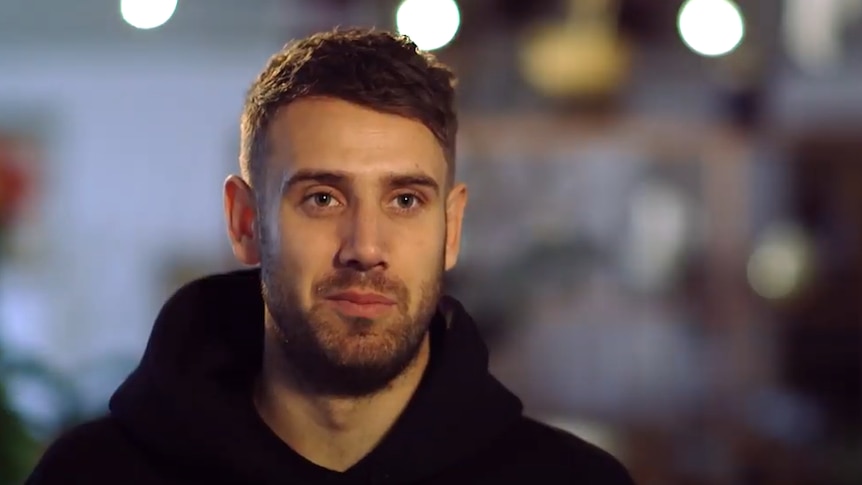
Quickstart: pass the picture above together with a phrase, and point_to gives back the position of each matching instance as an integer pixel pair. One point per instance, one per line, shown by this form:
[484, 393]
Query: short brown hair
[375, 69]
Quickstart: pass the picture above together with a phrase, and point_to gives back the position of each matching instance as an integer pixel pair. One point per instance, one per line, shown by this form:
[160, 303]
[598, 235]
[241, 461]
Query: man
[338, 361]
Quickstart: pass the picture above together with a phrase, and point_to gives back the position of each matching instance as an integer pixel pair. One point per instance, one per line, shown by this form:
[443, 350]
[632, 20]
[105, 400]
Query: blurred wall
[139, 143]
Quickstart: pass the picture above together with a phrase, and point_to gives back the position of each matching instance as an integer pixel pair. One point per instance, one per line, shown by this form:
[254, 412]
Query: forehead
[332, 134]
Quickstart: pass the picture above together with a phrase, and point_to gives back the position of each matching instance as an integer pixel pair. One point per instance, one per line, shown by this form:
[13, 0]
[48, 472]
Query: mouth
[364, 305]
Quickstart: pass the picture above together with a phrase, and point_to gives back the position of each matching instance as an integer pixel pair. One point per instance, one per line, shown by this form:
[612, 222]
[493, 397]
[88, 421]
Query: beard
[335, 355]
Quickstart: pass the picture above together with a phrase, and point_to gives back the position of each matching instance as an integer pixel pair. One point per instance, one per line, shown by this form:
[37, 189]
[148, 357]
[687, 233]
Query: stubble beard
[329, 354]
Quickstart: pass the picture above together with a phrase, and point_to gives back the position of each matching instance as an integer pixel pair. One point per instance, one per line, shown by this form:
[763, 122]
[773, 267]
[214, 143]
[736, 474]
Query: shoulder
[83, 454]
[566, 455]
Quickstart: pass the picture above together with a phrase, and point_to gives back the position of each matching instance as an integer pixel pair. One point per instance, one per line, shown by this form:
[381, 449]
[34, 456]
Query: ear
[240, 215]
[456, 202]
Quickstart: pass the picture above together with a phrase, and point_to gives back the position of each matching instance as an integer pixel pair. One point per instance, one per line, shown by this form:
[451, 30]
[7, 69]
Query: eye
[321, 199]
[406, 202]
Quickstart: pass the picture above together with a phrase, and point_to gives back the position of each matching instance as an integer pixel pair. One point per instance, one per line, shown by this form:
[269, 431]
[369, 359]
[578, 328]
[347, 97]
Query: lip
[358, 298]
[365, 305]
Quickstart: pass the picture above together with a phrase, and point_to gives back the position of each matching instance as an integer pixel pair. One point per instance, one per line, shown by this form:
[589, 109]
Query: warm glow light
[711, 27]
[781, 261]
[147, 14]
[431, 24]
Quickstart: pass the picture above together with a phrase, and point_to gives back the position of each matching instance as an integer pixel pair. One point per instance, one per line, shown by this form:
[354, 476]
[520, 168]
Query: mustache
[349, 279]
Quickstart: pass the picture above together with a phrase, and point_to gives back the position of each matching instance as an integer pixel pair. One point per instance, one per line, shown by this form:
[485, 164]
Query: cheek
[421, 251]
[306, 252]
[303, 241]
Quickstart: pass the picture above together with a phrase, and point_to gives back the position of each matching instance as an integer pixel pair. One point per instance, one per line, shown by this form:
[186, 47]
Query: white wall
[142, 141]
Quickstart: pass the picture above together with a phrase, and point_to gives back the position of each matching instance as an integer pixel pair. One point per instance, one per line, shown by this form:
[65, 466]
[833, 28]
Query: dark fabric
[185, 415]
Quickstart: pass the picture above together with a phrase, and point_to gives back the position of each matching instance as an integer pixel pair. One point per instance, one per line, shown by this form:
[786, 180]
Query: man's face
[353, 225]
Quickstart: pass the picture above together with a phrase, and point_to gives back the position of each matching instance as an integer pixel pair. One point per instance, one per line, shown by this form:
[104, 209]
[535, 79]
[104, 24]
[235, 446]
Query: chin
[340, 355]
[364, 347]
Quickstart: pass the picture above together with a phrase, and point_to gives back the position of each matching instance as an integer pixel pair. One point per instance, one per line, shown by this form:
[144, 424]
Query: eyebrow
[317, 176]
[336, 178]
[397, 181]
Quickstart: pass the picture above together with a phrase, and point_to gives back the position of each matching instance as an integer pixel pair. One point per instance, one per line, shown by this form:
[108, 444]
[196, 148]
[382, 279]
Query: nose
[362, 247]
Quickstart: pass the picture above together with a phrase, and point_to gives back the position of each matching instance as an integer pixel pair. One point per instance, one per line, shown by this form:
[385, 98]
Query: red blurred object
[16, 164]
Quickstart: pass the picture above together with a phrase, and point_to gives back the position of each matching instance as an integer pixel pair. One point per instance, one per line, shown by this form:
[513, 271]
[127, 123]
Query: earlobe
[240, 217]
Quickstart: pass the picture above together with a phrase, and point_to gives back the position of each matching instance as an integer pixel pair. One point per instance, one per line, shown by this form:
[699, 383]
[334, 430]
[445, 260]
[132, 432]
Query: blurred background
[663, 244]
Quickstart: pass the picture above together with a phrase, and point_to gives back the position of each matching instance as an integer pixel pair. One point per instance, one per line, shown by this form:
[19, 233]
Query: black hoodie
[185, 415]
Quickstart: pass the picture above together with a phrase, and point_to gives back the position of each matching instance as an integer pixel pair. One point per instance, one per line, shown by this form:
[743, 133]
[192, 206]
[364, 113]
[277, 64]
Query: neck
[334, 433]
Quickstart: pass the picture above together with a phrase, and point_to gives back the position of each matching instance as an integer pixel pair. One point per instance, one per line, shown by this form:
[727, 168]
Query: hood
[189, 402]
